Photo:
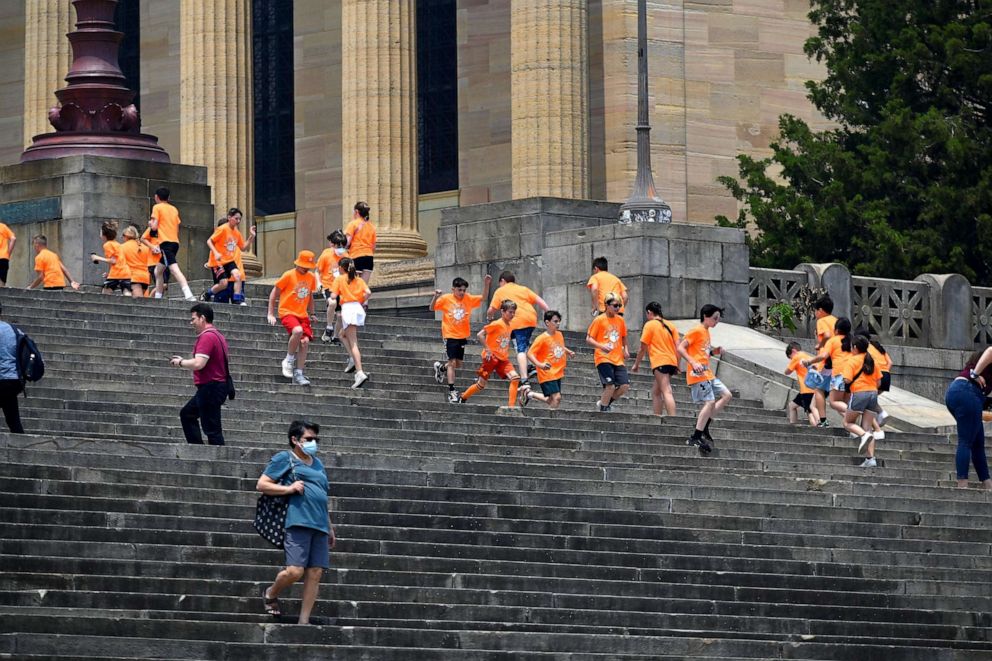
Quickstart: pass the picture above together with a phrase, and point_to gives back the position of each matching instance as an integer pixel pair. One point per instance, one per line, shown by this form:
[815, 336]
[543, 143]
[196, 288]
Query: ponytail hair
[348, 264]
[843, 327]
[861, 344]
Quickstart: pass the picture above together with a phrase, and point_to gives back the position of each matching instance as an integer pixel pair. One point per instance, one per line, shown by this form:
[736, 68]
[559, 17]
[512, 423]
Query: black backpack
[30, 364]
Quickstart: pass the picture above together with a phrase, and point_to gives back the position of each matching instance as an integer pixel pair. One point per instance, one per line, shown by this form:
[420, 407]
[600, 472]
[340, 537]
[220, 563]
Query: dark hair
[861, 344]
[459, 282]
[654, 307]
[825, 303]
[792, 346]
[40, 238]
[508, 305]
[296, 428]
[843, 327]
[973, 359]
[507, 276]
[234, 211]
[363, 209]
[338, 238]
[109, 230]
[204, 311]
[222, 221]
[162, 193]
[601, 264]
[348, 265]
[864, 332]
[708, 310]
[551, 314]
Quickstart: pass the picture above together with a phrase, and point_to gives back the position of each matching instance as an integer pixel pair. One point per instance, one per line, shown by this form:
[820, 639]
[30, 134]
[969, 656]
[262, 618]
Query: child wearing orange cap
[295, 291]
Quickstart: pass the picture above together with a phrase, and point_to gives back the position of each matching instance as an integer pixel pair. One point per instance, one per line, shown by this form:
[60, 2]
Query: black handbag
[270, 512]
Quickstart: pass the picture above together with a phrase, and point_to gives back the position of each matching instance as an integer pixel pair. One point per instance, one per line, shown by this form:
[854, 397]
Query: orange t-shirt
[661, 339]
[606, 283]
[136, 258]
[227, 241]
[327, 266]
[456, 315]
[498, 339]
[526, 316]
[6, 234]
[795, 364]
[825, 328]
[698, 347]
[49, 263]
[838, 356]
[153, 257]
[550, 348]
[349, 292]
[119, 270]
[362, 237]
[295, 293]
[611, 332]
[168, 221]
[883, 360]
[864, 382]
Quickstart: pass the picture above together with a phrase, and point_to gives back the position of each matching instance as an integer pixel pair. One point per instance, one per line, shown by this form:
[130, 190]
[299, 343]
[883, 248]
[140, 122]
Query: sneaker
[360, 379]
[287, 367]
[708, 439]
[869, 463]
[881, 418]
[865, 440]
[190, 297]
[243, 303]
[327, 336]
[207, 296]
[335, 341]
[299, 379]
[523, 395]
[239, 299]
[439, 372]
[349, 367]
[604, 409]
[879, 435]
[823, 423]
[454, 397]
[702, 445]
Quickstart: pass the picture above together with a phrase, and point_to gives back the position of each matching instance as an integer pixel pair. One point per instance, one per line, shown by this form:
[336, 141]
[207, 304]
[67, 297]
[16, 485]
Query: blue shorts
[521, 338]
[551, 387]
[307, 547]
[612, 375]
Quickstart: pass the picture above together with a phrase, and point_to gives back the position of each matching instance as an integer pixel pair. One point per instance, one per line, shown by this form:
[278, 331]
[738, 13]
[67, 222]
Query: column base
[393, 245]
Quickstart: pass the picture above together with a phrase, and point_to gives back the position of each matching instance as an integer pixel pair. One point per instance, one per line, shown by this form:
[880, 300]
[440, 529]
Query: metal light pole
[644, 205]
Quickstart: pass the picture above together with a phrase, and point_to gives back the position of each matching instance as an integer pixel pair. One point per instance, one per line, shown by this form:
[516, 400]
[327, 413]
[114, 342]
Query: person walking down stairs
[295, 291]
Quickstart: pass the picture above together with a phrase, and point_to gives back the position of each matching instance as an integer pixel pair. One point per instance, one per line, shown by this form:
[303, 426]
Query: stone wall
[12, 81]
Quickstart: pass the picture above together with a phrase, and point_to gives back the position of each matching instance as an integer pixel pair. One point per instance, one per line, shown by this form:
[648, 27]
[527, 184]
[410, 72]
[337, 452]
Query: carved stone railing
[897, 311]
[981, 315]
[770, 286]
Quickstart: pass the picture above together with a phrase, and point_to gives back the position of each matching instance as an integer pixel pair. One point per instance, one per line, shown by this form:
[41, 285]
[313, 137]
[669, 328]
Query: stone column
[47, 57]
[379, 120]
[549, 86]
[215, 101]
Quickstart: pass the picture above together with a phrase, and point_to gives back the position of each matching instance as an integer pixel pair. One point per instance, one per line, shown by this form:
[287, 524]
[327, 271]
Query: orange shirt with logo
[550, 349]
[349, 292]
[327, 266]
[607, 283]
[227, 241]
[120, 269]
[526, 316]
[456, 315]
[50, 265]
[361, 234]
[6, 234]
[612, 333]
[837, 355]
[661, 339]
[168, 221]
[698, 347]
[136, 258]
[865, 382]
[795, 364]
[498, 339]
[295, 293]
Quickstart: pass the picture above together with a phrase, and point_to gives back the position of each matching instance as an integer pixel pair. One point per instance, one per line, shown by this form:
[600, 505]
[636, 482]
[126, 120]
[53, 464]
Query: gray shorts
[708, 391]
[307, 547]
[863, 401]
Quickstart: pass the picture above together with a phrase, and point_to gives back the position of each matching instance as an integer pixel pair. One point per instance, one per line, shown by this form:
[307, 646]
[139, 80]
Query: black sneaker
[823, 423]
[605, 409]
[207, 296]
[708, 439]
[702, 445]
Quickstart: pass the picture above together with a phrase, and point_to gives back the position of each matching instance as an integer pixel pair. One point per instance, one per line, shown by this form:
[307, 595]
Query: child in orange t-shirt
[696, 348]
[862, 377]
[804, 400]
[164, 224]
[225, 244]
[118, 275]
[603, 283]
[660, 341]
[7, 241]
[52, 273]
[495, 337]
[825, 321]
[550, 355]
[608, 335]
[328, 268]
[353, 294]
[456, 314]
[136, 258]
[295, 291]
[361, 240]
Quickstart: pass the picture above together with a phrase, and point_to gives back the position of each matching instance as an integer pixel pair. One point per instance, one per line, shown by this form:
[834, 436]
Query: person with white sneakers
[295, 291]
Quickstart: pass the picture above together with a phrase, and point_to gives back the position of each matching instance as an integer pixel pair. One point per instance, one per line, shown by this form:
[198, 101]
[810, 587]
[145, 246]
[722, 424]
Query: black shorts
[667, 369]
[169, 251]
[455, 349]
[55, 288]
[364, 263]
[229, 268]
[113, 285]
[612, 375]
[886, 382]
[803, 400]
[217, 273]
[551, 387]
[4, 269]
[326, 293]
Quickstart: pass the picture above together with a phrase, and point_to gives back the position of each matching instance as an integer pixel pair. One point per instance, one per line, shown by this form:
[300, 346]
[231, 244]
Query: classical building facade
[299, 108]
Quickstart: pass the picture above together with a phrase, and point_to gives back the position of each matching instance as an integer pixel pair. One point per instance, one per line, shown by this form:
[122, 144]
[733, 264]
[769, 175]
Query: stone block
[583, 235]
[557, 298]
[736, 263]
[444, 255]
[695, 260]
[84, 182]
[568, 263]
[677, 296]
[732, 297]
[446, 235]
[31, 189]
[489, 229]
[950, 310]
[836, 279]
[531, 243]
[484, 250]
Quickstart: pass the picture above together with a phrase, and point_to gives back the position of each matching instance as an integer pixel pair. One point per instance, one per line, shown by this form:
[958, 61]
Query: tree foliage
[903, 184]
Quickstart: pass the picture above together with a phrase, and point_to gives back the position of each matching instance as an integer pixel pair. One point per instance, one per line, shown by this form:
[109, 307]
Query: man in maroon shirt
[209, 365]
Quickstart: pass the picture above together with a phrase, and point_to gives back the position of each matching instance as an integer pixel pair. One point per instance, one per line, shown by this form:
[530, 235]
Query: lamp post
[644, 205]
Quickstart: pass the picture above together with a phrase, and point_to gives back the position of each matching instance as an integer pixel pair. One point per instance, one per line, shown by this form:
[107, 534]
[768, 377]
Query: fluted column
[549, 86]
[379, 120]
[47, 57]
[215, 100]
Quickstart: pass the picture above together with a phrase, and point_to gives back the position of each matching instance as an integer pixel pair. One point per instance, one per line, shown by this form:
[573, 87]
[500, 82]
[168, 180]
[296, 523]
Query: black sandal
[271, 605]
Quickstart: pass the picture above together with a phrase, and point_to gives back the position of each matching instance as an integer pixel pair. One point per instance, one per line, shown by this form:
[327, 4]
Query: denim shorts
[521, 338]
[708, 391]
[307, 547]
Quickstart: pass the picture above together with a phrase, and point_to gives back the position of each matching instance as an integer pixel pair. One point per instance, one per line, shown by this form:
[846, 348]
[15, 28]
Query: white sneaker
[299, 379]
[869, 463]
[523, 395]
[360, 379]
[881, 418]
[879, 435]
[349, 366]
[453, 397]
[865, 440]
[287, 367]
[439, 372]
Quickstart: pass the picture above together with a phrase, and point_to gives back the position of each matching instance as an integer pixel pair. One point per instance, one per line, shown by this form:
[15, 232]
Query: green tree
[903, 184]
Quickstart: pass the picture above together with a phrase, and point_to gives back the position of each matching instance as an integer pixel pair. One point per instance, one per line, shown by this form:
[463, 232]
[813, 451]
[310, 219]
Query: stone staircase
[465, 532]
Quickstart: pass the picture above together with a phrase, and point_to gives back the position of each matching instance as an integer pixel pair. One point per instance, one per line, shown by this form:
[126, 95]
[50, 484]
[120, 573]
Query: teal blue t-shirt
[307, 509]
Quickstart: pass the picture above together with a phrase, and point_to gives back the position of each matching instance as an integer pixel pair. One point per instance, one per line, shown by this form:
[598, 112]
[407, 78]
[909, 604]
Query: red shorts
[292, 321]
[500, 366]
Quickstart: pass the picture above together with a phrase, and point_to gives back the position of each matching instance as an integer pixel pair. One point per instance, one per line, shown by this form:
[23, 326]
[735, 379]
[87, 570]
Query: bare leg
[607, 395]
[311, 582]
[522, 364]
[177, 274]
[349, 337]
[619, 392]
[837, 402]
[667, 394]
[284, 579]
[820, 402]
[793, 413]
[657, 404]
[453, 364]
[159, 280]
[301, 353]
[238, 284]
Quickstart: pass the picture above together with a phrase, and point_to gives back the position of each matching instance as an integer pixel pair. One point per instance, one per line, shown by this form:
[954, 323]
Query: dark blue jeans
[204, 409]
[964, 400]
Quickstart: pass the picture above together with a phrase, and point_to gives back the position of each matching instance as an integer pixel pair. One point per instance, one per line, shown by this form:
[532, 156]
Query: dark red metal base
[139, 146]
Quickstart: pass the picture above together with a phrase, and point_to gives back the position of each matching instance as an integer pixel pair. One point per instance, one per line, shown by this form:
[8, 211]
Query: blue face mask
[310, 447]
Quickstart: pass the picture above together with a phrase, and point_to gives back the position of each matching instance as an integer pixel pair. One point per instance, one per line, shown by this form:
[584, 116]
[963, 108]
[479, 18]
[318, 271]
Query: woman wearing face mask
[309, 533]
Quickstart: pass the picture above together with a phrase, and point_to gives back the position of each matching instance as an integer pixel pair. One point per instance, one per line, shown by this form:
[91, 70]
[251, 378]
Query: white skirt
[352, 314]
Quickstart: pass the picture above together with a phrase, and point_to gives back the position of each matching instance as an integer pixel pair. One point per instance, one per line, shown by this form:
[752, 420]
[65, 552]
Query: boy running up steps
[550, 355]
[456, 313]
[707, 390]
[495, 337]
